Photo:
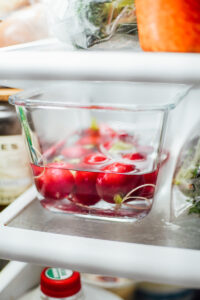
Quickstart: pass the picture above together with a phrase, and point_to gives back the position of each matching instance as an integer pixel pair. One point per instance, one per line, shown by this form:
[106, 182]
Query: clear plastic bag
[186, 182]
[24, 25]
[89, 22]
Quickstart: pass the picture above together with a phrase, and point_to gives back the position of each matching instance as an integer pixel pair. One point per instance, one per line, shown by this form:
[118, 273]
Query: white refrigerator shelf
[29, 233]
[99, 65]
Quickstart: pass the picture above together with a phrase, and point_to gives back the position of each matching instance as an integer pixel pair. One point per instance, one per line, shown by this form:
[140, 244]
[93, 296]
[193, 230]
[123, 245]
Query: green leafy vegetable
[187, 176]
[195, 208]
[100, 19]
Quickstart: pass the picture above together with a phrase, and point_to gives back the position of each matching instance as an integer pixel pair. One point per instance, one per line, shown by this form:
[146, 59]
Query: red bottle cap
[60, 283]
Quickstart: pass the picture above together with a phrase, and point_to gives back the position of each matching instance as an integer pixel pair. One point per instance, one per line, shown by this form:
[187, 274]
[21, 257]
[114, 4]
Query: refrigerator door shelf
[21, 281]
[31, 234]
[17, 278]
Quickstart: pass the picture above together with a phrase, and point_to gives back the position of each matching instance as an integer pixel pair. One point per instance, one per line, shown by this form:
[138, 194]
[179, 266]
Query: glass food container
[96, 148]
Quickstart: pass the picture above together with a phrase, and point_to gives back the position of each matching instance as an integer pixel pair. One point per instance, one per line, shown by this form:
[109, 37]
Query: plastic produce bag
[24, 25]
[187, 177]
[88, 22]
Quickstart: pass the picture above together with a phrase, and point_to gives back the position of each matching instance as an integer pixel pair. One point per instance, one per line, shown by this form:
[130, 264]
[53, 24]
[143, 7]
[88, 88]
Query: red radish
[149, 178]
[91, 135]
[93, 140]
[101, 130]
[37, 170]
[127, 138]
[112, 187]
[76, 151]
[134, 156]
[107, 145]
[85, 190]
[105, 130]
[54, 181]
[96, 135]
[95, 159]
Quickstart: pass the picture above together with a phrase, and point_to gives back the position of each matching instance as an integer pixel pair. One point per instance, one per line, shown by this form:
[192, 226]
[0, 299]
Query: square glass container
[96, 148]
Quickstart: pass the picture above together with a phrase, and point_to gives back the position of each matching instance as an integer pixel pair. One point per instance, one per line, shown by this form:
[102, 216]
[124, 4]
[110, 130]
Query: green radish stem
[27, 134]
[118, 199]
[94, 125]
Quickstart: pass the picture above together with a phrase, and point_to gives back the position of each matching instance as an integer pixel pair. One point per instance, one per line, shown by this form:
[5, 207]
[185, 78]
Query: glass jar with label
[152, 291]
[60, 284]
[15, 174]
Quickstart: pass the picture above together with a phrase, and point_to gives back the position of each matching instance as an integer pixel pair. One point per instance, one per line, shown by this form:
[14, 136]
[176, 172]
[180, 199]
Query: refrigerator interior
[157, 248]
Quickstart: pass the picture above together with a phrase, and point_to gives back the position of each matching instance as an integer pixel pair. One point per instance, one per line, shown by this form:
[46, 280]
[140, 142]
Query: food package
[24, 25]
[8, 6]
[186, 182]
[122, 287]
[89, 22]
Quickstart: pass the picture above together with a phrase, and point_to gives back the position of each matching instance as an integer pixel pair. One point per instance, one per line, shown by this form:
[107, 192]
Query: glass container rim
[24, 98]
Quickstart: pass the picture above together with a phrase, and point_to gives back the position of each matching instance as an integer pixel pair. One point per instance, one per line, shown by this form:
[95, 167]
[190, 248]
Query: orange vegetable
[169, 25]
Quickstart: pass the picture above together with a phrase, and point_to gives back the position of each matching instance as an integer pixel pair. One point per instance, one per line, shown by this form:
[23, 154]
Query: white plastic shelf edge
[150, 263]
[100, 65]
[141, 262]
